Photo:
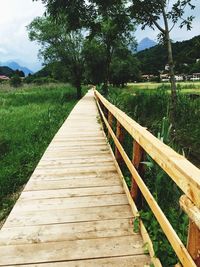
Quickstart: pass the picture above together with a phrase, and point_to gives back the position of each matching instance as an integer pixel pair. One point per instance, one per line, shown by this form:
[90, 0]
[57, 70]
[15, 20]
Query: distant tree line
[4, 70]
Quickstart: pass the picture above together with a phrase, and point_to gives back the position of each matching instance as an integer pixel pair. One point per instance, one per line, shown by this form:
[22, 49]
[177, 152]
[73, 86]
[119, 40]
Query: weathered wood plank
[126, 261]
[70, 183]
[72, 192]
[71, 250]
[70, 203]
[63, 232]
[61, 216]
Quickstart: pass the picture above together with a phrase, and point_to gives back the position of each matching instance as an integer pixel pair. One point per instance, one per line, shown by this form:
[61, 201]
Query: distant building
[179, 77]
[4, 78]
[147, 77]
[164, 77]
[195, 77]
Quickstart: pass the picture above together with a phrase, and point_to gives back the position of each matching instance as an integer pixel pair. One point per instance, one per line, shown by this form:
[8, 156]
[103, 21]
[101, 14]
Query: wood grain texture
[74, 210]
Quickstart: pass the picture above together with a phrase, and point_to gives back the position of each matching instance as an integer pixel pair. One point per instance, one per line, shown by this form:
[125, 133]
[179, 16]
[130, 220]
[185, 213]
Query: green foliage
[15, 81]
[124, 67]
[185, 52]
[60, 44]
[136, 224]
[29, 119]
[6, 71]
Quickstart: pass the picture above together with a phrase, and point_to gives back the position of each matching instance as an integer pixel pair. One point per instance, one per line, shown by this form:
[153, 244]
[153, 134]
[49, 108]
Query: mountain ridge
[15, 66]
[145, 43]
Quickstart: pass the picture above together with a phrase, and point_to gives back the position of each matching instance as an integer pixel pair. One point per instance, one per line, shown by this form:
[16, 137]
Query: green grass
[183, 87]
[29, 118]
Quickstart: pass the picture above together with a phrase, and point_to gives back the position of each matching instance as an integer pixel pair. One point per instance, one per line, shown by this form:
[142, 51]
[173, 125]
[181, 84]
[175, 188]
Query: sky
[15, 15]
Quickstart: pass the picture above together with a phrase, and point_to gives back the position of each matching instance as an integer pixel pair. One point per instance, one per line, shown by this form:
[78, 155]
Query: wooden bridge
[77, 211]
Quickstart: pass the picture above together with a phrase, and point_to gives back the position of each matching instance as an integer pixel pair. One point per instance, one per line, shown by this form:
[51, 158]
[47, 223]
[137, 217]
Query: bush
[15, 81]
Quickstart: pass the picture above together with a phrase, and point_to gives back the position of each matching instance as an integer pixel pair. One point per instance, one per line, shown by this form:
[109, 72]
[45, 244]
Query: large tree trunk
[78, 88]
[107, 76]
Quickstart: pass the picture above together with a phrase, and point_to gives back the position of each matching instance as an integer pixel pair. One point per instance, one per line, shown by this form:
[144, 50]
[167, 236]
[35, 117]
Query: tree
[20, 73]
[95, 61]
[59, 44]
[15, 80]
[124, 67]
[107, 21]
[163, 15]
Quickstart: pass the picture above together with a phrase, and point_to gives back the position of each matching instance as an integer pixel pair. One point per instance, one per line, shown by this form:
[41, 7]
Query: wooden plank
[78, 169]
[138, 154]
[70, 203]
[193, 242]
[126, 261]
[70, 164]
[72, 192]
[29, 218]
[70, 183]
[120, 137]
[171, 235]
[76, 161]
[110, 121]
[62, 175]
[63, 232]
[71, 250]
[192, 211]
[184, 173]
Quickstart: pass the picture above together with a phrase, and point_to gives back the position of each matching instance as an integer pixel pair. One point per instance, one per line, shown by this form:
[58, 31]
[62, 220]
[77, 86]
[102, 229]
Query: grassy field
[183, 87]
[29, 118]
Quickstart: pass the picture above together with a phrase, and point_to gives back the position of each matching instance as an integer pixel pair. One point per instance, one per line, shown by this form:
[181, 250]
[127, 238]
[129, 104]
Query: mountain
[6, 71]
[15, 66]
[145, 44]
[186, 55]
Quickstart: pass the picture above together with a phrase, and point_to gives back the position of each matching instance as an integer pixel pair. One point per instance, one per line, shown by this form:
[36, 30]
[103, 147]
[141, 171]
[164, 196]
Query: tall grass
[29, 118]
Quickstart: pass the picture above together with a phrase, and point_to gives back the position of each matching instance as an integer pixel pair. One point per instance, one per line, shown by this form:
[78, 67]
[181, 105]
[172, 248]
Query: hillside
[185, 55]
[15, 66]
[6, 71]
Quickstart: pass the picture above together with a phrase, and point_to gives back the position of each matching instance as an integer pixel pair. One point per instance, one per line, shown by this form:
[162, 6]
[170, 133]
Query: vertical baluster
[138, 155]
[110, 121]
[193, 242]
[120, 136]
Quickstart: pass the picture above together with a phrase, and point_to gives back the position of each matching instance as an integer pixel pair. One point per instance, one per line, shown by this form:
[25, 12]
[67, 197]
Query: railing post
[110, 121]
[138, 154]
[120, 137]
[193, 242]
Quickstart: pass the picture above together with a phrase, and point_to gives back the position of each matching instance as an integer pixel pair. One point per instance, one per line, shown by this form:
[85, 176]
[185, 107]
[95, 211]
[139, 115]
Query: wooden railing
[183, 173]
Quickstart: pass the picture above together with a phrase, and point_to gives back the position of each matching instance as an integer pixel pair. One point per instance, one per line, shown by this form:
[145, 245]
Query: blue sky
[15, 15]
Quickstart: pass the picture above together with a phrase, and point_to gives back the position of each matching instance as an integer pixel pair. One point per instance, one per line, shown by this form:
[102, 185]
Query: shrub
[15, 81]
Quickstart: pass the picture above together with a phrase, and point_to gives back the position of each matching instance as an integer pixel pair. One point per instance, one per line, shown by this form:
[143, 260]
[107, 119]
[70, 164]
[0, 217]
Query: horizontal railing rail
[183, 173]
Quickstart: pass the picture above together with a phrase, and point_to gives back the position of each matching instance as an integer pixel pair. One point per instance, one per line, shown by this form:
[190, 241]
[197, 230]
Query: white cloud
[15, 15]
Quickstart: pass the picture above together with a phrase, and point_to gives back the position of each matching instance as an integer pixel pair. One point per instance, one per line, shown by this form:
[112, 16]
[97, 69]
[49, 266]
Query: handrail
[184, 173]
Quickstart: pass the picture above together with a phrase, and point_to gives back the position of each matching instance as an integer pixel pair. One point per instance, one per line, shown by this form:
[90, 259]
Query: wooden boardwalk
[74, 210]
